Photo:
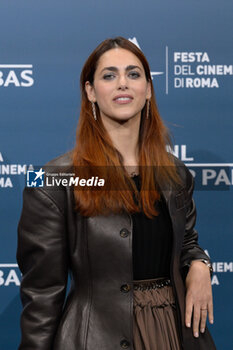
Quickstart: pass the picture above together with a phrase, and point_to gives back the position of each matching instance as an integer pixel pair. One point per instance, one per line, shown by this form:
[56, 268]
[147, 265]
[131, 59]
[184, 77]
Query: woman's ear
[148, 93]
[90, 91]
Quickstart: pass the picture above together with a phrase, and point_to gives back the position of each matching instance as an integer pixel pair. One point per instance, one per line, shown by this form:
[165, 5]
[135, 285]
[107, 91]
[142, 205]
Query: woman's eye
[108, 76]
[134, 75]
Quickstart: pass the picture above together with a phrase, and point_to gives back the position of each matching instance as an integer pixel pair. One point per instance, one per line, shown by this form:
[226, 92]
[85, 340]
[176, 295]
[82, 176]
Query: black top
[152, 242]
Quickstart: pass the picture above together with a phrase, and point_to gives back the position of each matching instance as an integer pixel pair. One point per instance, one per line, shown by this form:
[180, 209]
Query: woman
[139, 279]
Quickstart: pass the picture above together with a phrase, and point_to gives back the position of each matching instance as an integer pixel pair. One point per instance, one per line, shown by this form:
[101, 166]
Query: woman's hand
[199, 299]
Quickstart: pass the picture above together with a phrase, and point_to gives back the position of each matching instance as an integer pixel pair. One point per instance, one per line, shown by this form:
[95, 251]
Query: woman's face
[120, 87]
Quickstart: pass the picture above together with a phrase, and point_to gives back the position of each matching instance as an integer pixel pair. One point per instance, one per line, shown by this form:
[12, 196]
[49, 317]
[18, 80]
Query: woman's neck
[125, 136]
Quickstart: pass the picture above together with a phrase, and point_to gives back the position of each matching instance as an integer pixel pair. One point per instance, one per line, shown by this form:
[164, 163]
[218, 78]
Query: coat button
[125, 288]
[124, 344]
[124, 233]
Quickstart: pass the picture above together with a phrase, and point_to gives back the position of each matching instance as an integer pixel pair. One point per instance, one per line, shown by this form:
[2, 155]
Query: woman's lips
[123, 99]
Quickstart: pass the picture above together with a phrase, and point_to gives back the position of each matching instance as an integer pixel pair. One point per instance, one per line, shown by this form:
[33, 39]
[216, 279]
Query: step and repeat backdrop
[43, 46]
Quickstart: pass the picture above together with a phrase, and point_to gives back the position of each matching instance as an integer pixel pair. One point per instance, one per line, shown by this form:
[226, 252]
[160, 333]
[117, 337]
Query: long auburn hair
[94, 151]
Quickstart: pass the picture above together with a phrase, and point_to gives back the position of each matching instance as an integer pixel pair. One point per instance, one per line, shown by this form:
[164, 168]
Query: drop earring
[94, 110]
[147, 109]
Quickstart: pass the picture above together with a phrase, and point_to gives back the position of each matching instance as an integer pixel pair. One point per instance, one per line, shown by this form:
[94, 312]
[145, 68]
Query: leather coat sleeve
[42, 259]
[190, 249]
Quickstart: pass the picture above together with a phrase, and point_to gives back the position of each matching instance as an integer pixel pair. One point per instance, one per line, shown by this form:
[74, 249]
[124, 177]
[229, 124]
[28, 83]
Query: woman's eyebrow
[115, 69]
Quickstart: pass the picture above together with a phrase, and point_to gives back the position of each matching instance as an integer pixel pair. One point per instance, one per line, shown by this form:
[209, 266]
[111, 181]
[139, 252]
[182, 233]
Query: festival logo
[135, 42]
[190, 69]
[9, 171]
[196, 70]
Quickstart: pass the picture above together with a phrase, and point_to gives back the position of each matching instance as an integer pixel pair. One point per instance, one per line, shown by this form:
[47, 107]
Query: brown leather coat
[54, 240]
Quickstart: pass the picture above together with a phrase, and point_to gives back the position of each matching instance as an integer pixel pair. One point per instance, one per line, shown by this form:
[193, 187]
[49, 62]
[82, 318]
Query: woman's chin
[121, 119]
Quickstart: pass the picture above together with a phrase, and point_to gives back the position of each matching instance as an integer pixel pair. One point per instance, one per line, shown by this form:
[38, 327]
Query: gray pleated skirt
[155, 321]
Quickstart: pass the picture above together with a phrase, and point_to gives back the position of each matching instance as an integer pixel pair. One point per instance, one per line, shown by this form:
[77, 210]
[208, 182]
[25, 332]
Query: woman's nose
[122, 82]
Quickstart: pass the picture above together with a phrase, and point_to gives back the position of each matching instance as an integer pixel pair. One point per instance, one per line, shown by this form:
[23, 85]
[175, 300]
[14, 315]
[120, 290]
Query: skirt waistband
[151, 283]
